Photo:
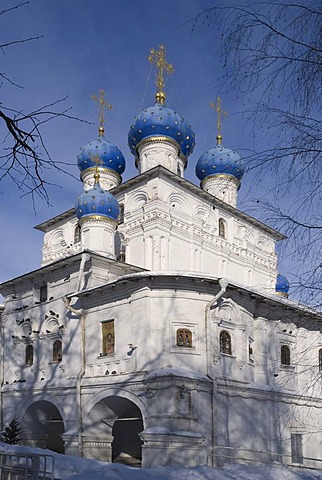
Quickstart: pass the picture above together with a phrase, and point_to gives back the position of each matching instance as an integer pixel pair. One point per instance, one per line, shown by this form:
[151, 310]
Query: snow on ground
[74, 468]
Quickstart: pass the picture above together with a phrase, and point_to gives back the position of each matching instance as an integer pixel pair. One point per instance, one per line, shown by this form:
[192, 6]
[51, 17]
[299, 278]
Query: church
[157, 330]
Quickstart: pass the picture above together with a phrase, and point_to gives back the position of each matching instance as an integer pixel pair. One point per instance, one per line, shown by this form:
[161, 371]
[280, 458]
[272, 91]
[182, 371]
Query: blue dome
[161, 121]
[188, 143]
[97, 202]
[110, 154]
[282, 285]
[220, 160]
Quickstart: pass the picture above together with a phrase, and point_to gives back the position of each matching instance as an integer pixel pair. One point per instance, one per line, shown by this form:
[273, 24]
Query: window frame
[297, 448]
[43, 293]
[77, 234]
[285, 355]
[186, 334]
[222, 228]
[225, 337]
[29, 355]
[57, 351]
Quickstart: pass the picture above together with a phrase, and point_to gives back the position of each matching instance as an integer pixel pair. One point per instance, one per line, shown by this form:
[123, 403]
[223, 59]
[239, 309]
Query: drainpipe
[2, 364]
[223, 283]
[80, 282]
[81, 372]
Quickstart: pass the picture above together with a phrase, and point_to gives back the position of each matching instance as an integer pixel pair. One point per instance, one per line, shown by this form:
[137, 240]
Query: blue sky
[103, 44]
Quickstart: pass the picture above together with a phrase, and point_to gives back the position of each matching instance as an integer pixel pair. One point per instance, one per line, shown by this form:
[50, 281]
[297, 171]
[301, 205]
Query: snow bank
[74, 468]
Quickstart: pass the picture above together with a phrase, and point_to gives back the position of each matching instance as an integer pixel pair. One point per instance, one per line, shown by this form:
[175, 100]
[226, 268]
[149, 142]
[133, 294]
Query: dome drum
[97, 219]
[222, 186]
[108, 178]
[157, 151]
[98, 235]
[220, 176]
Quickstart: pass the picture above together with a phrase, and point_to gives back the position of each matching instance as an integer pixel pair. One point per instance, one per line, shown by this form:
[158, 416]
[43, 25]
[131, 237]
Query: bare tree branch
[24, 158]
[271, 54]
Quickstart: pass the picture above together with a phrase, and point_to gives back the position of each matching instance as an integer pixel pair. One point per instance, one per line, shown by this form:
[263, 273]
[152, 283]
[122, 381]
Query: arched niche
[177, 201]
[137, 201]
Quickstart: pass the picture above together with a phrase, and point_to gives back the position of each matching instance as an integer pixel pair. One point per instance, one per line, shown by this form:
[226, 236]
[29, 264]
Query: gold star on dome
[157, 57]
[103, 105]
[217, 106]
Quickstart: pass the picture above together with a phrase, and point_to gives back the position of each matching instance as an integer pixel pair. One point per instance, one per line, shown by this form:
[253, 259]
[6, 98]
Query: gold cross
[96, 159]
[217, 106]
[103, 104]
[158, 58]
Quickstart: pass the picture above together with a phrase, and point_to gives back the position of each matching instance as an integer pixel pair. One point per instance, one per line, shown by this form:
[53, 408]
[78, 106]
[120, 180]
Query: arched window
[77, 234]
[225, 342]
[184, 338]
[29, 355]
[120, 247]
[222, 228]
[285, 355]
[320, 359]
[57, 351]
[297, 447]
[43, 293]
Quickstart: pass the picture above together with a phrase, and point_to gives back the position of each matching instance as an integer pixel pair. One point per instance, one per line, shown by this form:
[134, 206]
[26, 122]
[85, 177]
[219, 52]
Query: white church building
[157, 330]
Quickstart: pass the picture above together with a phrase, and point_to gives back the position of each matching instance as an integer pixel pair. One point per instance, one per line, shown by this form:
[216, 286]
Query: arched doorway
[121, 421]
[126, 445]
[43, 426]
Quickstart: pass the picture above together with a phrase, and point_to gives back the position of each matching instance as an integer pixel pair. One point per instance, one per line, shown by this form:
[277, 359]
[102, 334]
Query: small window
[285, 355]
[320, 359]
[29, 355]
[184, 338]
[297, 448]
[43, 293]
[77, 234]
[222, 228]
[121, 214]
[57, 351]
[225, 342]
[108, 338]
[250, 353]
[120, 247]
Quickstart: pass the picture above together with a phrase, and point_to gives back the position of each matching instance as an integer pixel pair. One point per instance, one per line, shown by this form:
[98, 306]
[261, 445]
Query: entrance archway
[121, 421]
[126, 445]
[43, 426]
